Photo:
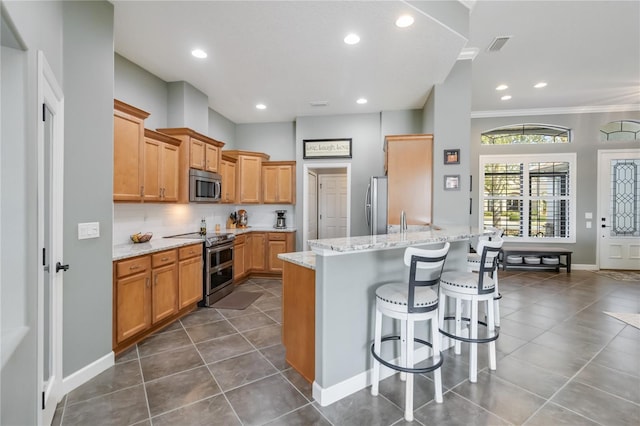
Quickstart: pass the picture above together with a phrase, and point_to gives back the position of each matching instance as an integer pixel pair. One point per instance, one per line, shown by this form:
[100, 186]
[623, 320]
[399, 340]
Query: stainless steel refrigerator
[375, 205]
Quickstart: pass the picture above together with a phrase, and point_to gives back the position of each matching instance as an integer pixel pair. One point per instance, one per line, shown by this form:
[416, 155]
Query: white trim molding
[555, 111]
[82, 376]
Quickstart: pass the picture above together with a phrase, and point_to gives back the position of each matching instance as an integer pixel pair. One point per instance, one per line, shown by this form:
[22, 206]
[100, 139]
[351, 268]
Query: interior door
[50, 157]
[618, 218]
[333, 206]
[312, 206]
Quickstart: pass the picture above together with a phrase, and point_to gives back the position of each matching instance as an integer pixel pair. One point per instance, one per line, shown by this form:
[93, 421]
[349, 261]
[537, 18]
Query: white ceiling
[288, 54]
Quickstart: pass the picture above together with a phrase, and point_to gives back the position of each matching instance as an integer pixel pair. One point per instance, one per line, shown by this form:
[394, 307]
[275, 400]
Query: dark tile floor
[561, 361]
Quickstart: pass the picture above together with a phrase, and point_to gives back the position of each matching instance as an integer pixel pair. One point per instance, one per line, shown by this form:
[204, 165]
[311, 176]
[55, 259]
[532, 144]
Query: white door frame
[305, 183]
[601, 203]
[50, 93]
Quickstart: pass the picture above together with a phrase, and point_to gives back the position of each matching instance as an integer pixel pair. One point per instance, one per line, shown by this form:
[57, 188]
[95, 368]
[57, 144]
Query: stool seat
[463, 282]
[473, 261]
[394, 297]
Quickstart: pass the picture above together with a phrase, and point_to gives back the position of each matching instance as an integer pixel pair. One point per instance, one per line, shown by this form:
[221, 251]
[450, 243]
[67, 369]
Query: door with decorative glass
[618, 219]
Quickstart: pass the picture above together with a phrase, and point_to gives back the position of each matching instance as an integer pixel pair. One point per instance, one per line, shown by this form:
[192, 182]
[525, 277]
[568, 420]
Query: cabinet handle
[148, 282]
[134, 267]
[142, 190]
[155, 281]
[164, 259]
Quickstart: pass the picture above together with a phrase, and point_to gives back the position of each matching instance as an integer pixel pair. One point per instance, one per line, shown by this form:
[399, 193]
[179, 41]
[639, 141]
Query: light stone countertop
[334, 246]
[302, 258]
[123, 251]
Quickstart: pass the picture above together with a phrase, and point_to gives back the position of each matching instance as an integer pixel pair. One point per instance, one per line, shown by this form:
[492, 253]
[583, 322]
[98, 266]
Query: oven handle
[221, 267]
[217, 249]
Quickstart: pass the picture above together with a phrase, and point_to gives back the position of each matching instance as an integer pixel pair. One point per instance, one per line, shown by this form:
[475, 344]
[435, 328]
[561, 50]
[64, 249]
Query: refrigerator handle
[367, 206]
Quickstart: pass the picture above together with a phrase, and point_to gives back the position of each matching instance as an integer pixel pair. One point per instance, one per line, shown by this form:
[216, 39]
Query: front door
[618, 218]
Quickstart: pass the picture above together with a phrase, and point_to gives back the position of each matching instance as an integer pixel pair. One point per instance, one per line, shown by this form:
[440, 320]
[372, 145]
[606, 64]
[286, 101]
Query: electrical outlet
[588, 224]
[88, 230]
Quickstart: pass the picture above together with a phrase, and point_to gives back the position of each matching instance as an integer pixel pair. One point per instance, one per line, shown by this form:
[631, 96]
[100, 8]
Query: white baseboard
[82, 376]
[584, 267]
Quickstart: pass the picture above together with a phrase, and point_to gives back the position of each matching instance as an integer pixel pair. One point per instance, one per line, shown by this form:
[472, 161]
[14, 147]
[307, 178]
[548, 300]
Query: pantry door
[618, 220]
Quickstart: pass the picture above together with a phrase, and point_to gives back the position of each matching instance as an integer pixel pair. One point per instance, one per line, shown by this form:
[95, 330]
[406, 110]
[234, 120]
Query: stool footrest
[413, 370]
[498, 297]
[468, 339]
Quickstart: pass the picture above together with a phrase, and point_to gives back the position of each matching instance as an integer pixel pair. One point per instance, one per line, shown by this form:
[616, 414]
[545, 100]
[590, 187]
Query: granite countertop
[302, 258]
[123, 251]
[258, 228]
[333, 246]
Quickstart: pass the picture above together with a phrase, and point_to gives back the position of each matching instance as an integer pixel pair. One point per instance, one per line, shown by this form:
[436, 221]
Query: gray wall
[88, 180]
[222, 129]
[586, 143]
[275, 139]
[188, 107]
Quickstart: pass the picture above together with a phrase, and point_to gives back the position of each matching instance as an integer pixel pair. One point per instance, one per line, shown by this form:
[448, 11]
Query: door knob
[61, 266]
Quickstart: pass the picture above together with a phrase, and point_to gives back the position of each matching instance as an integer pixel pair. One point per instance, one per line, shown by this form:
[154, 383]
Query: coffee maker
[281, 221]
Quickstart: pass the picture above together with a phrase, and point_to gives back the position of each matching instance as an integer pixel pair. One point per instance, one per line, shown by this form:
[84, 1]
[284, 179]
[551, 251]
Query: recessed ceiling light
[506, 97]
[199, 53]
[404, 21]
[352, 39]
[502, 87]
[362, 101]
[540, 85]
[261, 106]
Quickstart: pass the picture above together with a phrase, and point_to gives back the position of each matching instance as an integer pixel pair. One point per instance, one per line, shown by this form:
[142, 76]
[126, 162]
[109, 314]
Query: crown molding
[555, 111]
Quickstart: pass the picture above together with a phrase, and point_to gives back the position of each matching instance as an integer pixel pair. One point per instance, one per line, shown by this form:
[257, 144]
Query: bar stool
[471, 288]
[415, 301]
[473, 265]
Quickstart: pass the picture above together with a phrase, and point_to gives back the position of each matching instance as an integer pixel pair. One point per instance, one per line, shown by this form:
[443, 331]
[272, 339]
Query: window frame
[526, 197]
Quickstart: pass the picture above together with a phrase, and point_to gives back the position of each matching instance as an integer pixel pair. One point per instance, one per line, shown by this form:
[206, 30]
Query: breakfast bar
[347, 271]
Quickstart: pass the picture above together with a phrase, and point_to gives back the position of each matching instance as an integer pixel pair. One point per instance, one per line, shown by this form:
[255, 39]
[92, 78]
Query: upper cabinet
[128, 152]
[409, 167]
[161, 167]
[196, 151]
[248, 175]
[279, 182]
[228, 173]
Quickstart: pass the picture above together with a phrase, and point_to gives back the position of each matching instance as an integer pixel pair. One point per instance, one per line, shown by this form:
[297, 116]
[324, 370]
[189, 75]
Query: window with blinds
[530, 197]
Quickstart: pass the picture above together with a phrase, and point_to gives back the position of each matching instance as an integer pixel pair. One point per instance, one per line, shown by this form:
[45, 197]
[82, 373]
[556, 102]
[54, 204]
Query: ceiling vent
[319, 103]
[498, 43]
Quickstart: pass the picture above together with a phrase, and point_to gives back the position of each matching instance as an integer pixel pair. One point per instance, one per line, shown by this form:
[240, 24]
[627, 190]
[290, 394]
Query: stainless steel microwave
[204, 187]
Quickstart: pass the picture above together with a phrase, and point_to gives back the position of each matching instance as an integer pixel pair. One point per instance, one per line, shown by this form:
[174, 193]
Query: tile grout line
[144, 387]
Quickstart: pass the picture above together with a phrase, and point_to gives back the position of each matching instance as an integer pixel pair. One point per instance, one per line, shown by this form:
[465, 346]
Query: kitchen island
[346, 273]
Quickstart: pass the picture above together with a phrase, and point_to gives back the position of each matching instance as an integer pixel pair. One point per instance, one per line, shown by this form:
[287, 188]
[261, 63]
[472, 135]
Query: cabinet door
[286, 190]
[257, 247]
[164, 293]
[269, 184]
[228, 172]
[170, 172]
[128, 132]
[197, 154]
[212, 157]
[238, 261]
[275, 248]
[249, 179]
[152, 166]
[410, 178]
[190, 278]
[133, 305]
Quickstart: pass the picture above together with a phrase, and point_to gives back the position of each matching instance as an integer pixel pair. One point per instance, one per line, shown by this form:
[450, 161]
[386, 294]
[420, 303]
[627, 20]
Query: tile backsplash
[172, 219]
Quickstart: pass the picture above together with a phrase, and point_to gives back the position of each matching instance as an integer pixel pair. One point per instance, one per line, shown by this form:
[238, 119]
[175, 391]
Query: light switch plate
[588, 224]
[88, 230]
[588, 215]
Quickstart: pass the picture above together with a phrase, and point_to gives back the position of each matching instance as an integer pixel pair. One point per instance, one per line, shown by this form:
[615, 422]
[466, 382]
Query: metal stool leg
[473, 347]
[437, 374]
[408, 405]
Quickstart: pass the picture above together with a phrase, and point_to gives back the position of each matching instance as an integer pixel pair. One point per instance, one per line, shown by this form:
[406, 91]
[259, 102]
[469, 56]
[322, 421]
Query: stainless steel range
[217, 278]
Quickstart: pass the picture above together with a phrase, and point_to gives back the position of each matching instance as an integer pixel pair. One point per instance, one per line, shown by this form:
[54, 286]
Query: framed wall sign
[451, 182]
[451, 156]
[326, 148]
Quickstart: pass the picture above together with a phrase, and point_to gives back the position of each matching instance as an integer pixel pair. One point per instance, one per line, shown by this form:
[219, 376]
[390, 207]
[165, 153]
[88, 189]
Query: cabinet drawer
[277, 236]
[191, 251]
[163, 258]
[132, 266]
[239, 239]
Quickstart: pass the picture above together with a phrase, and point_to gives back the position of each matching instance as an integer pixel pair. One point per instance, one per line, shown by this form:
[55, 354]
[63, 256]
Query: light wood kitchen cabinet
[196, 151]
[256, 245]
[228, 173]
[161, 167]
[248, 175]
[279, 182]
[132, 307]
[409, 166]
[239, 249]
[153, 290]
[128, 152]
[164, 279]
[190, 273]
[278, 242]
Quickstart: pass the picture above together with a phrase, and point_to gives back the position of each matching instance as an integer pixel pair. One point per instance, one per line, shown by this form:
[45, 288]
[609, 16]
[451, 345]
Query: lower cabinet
[256, 246]
[278, 242]
[151, 291]
[239, 250]
[256, 253]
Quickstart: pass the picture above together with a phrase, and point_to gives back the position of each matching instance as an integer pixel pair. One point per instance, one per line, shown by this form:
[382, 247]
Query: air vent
[319, 103]
[498, 43]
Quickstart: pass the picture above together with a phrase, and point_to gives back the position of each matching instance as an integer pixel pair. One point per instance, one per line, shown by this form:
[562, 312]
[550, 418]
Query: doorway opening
[326, 199]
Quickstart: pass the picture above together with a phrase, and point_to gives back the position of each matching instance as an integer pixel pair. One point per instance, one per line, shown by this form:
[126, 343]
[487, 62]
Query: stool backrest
[430, 264]
[490, 251]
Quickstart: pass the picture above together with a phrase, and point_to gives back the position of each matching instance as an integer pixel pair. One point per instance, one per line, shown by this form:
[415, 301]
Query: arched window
[527, 133]
[623, 130]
